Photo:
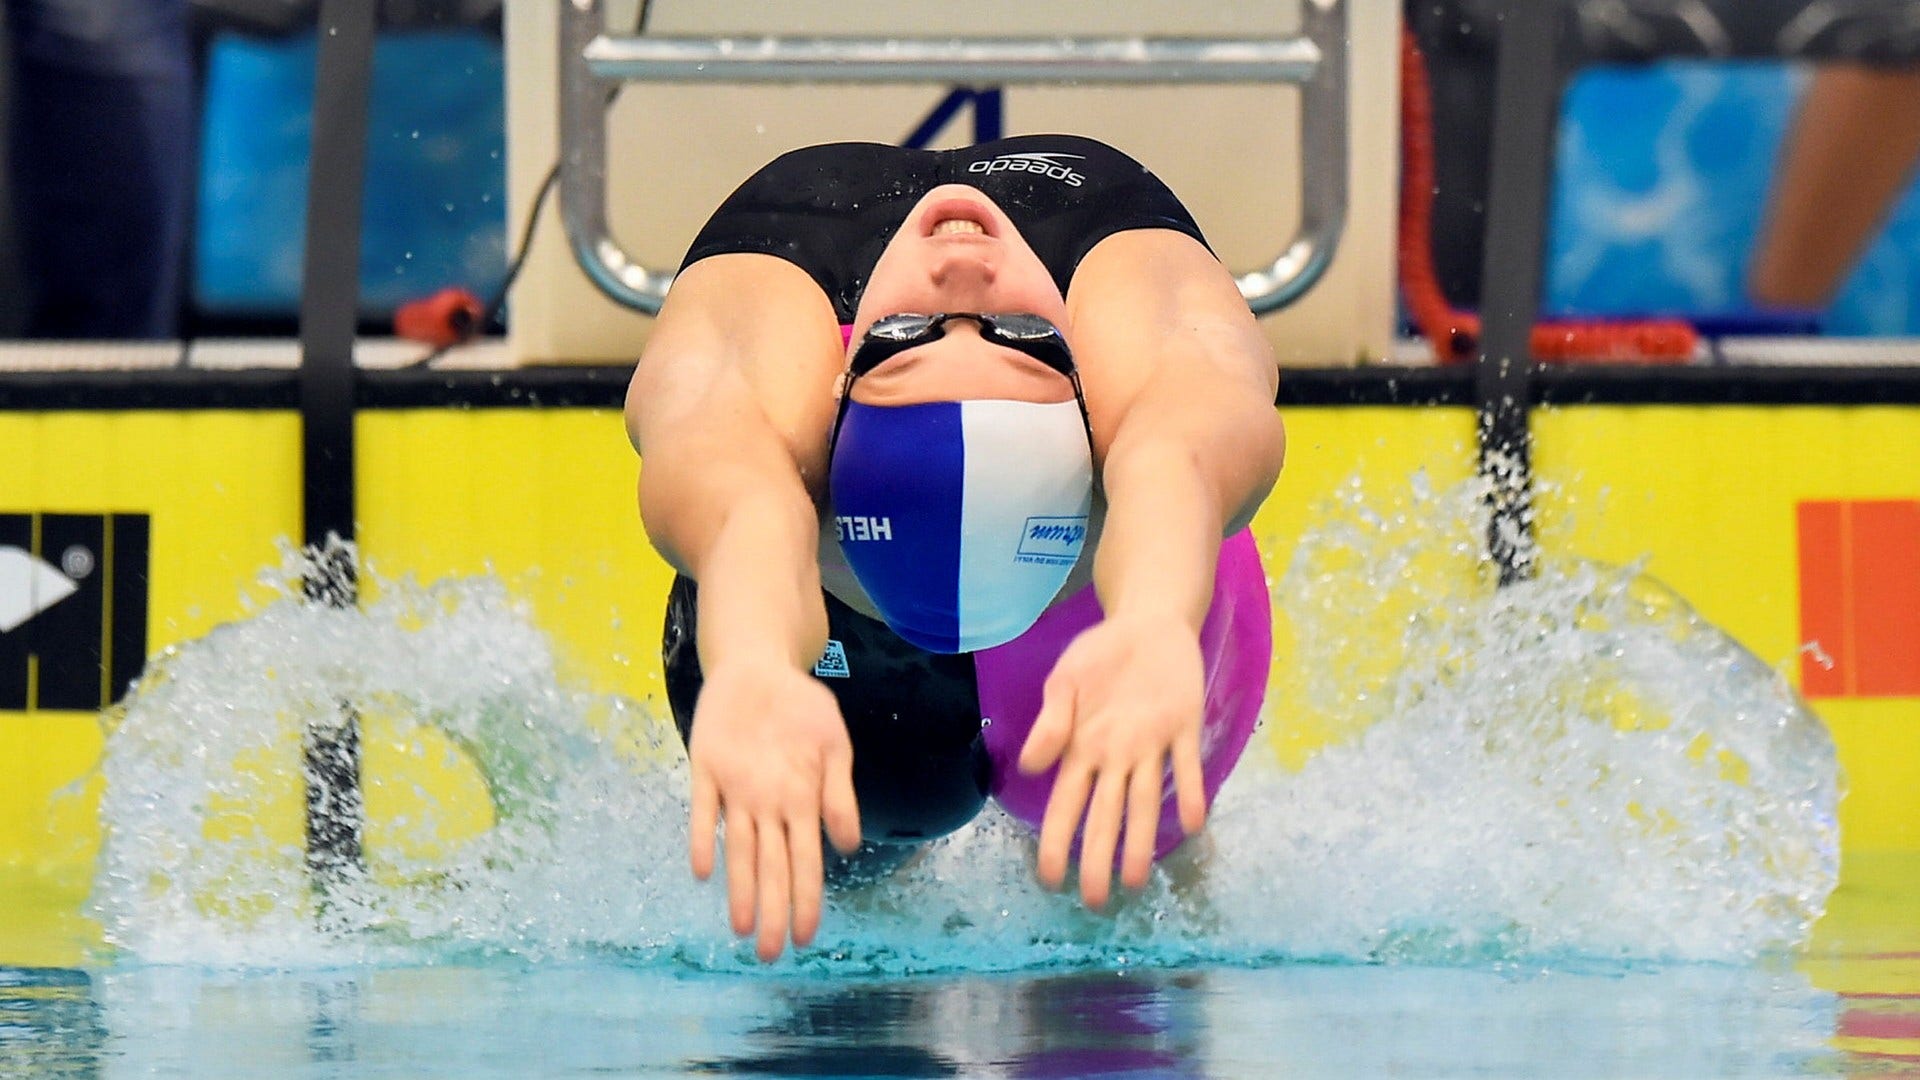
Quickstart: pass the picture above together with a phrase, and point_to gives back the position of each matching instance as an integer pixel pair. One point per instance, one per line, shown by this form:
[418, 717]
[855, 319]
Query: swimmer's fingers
[1052, 728]
[1101, 836]
[740, 859]
[703, 823]
[809, 878]
[775, 895]
[1145, 791]
[1188, 782]
[839, 810]
[1064, 808]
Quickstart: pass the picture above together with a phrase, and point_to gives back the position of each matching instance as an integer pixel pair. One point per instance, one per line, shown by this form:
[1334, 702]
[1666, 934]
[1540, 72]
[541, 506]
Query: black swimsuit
[830, 210]
[920, 769]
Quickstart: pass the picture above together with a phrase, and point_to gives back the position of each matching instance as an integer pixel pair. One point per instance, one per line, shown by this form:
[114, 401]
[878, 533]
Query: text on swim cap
[1053, 540]
[1057, 534]
[857, 527]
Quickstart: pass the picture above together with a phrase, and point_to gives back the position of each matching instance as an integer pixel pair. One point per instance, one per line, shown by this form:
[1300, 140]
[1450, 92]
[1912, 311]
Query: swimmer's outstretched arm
[728, 406]
[1178, 374]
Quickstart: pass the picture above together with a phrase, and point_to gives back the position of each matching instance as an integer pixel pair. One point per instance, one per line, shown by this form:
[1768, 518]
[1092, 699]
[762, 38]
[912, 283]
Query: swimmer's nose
[962, 275]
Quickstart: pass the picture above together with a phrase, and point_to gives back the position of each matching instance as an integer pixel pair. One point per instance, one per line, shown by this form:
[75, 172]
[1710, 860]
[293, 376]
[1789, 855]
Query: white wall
[1230, 152]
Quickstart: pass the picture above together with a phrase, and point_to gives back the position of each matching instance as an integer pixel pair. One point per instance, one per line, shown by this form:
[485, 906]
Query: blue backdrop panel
[1661, 182]
[436, 172]
[1661, 187]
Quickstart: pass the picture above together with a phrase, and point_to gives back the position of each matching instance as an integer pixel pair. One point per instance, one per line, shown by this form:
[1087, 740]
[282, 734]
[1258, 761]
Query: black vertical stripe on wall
[127, 631]
[69, 637]
[16, 531]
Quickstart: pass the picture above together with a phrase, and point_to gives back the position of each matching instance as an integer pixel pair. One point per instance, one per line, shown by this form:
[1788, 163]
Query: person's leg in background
[103, 163]
[1851, 152]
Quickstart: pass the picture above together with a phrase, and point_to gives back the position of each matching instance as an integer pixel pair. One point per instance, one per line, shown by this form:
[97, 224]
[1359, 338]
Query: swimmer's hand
[1123, 698]
[771, 753]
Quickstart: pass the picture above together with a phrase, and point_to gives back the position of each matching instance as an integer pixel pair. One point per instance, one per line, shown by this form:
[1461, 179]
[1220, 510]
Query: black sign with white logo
[73, 608]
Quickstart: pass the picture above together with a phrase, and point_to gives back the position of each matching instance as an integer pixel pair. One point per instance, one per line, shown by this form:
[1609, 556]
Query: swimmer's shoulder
[714, 362]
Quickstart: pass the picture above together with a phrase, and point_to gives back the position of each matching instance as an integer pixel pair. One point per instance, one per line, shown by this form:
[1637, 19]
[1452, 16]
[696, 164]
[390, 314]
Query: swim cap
[961, 519]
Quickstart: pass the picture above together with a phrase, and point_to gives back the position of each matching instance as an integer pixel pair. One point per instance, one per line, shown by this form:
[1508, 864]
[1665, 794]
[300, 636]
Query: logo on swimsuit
[833, 662]
[1047, 165]
[1052, 541]
[862, 528]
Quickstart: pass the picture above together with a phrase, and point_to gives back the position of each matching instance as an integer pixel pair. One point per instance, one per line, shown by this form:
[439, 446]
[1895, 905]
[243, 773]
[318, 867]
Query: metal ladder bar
[998, 60]
[592, 64]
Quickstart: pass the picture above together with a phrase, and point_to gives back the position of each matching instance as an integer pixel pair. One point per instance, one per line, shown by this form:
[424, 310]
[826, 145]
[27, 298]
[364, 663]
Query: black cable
[490, 314]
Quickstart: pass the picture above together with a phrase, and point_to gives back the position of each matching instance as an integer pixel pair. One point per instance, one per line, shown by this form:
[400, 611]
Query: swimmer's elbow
[633, 432]
[1265, 453]
[1276, 449]
[658, 518]
[695, 492]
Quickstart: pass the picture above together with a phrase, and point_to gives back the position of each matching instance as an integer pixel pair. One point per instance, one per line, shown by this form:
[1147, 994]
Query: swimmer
[954, 453]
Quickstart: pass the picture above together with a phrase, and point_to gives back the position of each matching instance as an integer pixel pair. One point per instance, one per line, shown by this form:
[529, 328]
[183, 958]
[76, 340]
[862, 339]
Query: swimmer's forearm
[1188, 466]
[759, 582]
[1162, 534]
[723, 502]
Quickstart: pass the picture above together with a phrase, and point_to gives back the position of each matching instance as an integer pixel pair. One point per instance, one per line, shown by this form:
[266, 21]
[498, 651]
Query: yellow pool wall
[544, 498]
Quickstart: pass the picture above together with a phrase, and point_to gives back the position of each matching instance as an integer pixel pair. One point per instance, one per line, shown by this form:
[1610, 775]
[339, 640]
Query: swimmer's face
[957, 251]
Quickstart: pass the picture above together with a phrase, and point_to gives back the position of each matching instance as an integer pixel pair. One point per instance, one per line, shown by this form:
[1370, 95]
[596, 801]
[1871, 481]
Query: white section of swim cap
[1027, 492]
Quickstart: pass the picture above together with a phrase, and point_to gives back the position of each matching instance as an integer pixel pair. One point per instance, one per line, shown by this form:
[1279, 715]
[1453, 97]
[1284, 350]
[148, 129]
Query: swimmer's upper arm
[1168, 350]
[732, 397]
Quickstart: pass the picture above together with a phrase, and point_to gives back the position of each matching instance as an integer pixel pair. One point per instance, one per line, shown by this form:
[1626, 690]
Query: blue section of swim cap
[898, 482]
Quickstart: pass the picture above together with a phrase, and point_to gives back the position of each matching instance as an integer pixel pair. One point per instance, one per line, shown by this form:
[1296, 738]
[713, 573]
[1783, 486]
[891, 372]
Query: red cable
[1454, 334]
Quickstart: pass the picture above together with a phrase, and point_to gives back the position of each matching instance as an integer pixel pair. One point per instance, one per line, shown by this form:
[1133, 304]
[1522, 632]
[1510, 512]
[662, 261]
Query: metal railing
[593, 64]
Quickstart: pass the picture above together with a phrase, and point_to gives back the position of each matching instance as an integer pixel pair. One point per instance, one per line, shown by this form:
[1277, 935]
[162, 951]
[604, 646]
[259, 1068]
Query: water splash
[1575, 766]
[1576, 763]
[204, 855]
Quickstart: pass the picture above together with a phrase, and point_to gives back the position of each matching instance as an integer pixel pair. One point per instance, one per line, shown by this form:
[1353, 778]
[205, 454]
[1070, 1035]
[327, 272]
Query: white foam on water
[1575, 766]
[1577, 763]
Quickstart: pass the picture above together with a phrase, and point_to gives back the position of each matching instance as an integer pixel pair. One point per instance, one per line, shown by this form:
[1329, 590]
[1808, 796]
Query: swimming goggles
[891, 335]
[1029, 334]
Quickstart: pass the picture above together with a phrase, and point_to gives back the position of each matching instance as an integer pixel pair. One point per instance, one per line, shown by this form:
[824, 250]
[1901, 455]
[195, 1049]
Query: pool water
[1847, 1005]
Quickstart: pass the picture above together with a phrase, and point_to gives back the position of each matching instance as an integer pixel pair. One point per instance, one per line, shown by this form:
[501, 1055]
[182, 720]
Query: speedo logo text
[1051, 166]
